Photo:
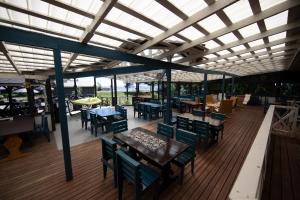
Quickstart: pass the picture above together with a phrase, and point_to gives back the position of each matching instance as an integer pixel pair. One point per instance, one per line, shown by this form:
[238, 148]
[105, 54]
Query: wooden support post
[127, 86]
[75, 89]
[223, 86]
[204, 91]
[163, 91]
[116, 91]
[62, 114]
[158, 90]
[112, 91]
[178, 88]
[169, 108]
[50, 103]
[95, 86]
[152, 90]
[137, 89]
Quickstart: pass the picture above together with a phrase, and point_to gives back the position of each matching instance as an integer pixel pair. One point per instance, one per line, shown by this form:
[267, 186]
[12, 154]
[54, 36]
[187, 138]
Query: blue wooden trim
[18, 36]
[204, 91]
[62, 114]
[169, 108]
[115, 89]
[223, 86]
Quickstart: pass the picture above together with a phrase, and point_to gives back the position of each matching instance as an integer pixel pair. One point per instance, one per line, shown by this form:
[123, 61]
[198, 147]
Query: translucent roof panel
[154, 11]
[106, 40]
[173, 39]
[124, 19]
[238, 11]
[278, 46]
[277, 36]
[266, 4]
[249, 30]
[189, 7]
[224, 52]
[211, 44]
[104, 28]
[227, 38]
[212, 23]
[238, 48]
[256, 43]
[260, 50]
[191, 33]
[210, 56]
[276, 20]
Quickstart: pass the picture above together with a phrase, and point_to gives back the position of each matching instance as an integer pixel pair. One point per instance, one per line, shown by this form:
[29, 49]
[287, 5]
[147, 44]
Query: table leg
[13, 144]
[167, 177]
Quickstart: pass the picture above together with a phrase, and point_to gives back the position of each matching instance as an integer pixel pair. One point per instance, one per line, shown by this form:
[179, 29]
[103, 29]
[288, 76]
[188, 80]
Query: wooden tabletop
[211, 121]
[193, 103]
[17, 125]
[159, 157]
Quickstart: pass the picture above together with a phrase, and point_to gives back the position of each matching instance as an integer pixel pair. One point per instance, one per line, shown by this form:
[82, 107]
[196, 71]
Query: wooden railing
[278, 120]
[249, 182]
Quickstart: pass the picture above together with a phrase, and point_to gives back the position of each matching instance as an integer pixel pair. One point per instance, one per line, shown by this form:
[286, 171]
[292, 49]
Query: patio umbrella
[23, 91]
[87, 101]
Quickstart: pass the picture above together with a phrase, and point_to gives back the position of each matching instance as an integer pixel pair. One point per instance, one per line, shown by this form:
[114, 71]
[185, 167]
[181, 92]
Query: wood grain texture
[41, 175]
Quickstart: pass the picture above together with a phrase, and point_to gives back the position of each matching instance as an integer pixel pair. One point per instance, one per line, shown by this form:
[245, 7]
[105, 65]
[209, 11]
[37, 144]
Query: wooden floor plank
[41, 176]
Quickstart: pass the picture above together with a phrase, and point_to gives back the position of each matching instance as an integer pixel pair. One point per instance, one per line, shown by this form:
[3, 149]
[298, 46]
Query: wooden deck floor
[41, 175]
[283, 169]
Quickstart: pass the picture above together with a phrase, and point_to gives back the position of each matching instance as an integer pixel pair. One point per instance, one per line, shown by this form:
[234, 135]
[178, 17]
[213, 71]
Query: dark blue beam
[223, 86]
[169, 106]
[17, 36]
[62, 114]
[204, 92]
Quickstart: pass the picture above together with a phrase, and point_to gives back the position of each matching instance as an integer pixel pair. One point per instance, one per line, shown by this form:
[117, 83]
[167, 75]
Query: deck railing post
[232, 86]
[223, 86]
[112, 91]
[75, 89]
[169, 108]
[50, 103]
[204, 91]
[62, 114]
[95, 86]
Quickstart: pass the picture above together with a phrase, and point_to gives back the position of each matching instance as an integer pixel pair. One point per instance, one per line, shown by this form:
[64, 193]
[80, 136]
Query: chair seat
[148, 176]
[183, 158]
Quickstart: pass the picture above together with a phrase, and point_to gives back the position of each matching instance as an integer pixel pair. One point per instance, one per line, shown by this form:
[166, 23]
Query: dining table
[158, 150]
[191, 104]
[212, 122]
[106, 111]
[11, 128]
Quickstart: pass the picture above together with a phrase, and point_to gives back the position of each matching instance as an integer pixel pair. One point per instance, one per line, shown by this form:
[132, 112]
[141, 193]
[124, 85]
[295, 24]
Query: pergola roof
[239, 37]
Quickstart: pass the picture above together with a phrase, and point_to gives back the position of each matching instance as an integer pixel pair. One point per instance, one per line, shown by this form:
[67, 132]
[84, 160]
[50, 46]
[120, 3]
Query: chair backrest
[119, 126]
[187, 137]
[209, 99]
[200, 113]
[93, 118]
[141, 107]
[109, 148]
[164, 129]
[136, 105]
[123, 112]
[182, 123]
[128, 168]
[226, 107]
[234, 100]
[201, 128]
[118, 108]
[218, 116]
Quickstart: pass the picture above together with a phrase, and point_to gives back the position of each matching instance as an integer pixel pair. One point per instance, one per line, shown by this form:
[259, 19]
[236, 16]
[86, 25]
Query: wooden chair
[234, 101]
[118, 127]
[182, 123]
[225, 107]
[198, 112]
[108, 159]
[209, 99]
[188, 155]
[85, 118]
[141, 176]
[95, 124]
[165, 130]
[218, 129]
[202, 130]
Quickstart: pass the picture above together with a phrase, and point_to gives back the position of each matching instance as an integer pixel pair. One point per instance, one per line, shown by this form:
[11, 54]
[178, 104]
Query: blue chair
[165, 130]
[188, 155]
[218, 129]
[199, 113]
[142, 111]
[85, 118]
[202, 130]
[182, 123]
[135, 108]
[95, 123]
[141, 176]
[118, 127]
[109, 148]
[173, 119]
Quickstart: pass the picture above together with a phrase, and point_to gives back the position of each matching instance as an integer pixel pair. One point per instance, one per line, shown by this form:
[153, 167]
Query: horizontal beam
[17, 36]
